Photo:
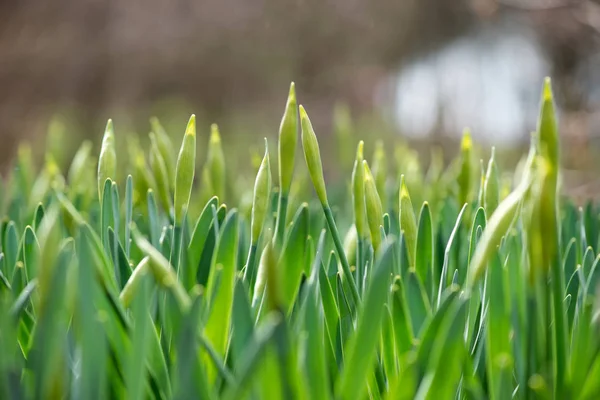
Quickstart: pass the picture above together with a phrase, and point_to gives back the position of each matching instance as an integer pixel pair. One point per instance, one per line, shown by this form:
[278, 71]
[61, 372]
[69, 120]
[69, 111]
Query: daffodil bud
[262, 191]
[373, 207]
[216, 162]
[547, 130]
[312, 155]
[144, 179]
[530, 162]
[464, 177]
[481, 195]
[186, 165]
[165, 146]
[79, 163]
[491, 195]
[157, 163]
[358, 193]
[549, 150]
[408, 222]
[266, 268]
[288, 137]
[533, 224]
[342, 125]
[107, 162]
[57, 134]
[379, 170]
[350, 245]
[496, 227]
[49, 239]
[26, 168]
[206, 185]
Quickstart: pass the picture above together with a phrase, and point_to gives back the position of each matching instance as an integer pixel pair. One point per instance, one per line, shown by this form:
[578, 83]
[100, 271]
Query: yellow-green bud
[144, 180]
[165, 146]
[350, 245]
[531, 161]
[532, 221]
[436, 165]
[207, 188]
[107, 162]
[186, 165]
[48, 235]
[408, 222]
[481, 195]
[312, 155]
[132, 286]
[57, 132]
[491, 194]
[288, 137]
[547, 130]
[26, 167]
[262, 191]
[413, 173]
[157, 163]
[358, 193]
[379, 169]
[216, 163]
[549, 150]
[266, 266]
[497, 226]
[79, 163]
[464, 176]
[373, 207]
[342, 124]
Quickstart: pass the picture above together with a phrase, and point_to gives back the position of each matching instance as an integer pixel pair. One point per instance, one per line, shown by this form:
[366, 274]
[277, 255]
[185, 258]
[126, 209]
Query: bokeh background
[418, 69]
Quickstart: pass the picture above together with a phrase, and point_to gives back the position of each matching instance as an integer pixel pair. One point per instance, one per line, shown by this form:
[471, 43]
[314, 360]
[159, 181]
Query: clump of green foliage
[453, 283]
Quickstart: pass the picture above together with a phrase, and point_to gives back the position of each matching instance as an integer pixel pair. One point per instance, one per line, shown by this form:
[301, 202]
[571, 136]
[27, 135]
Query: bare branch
[539, 5]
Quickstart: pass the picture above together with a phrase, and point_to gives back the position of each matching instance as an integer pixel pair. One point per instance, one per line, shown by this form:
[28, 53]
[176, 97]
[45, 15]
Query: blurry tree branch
[537, 5]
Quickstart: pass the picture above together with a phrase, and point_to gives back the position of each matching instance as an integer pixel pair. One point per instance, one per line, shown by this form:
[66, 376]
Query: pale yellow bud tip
[547, 89]
[368, 177]
[303, 114]
[466, 143]
[403, 188]
[359, 150]
[215, 136]
[191, 126]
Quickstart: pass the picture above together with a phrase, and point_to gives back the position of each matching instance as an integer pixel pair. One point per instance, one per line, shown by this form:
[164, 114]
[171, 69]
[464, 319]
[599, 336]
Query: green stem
[249, 271]
[341, 254]
[560, 329]
[281, 215]
[176, 248]
[217, 361]
[530, 360]
[360, 262]
[379, 376]
[131, 286]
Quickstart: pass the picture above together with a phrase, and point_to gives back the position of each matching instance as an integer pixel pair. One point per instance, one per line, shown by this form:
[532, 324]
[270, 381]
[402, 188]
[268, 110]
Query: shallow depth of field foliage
[159, 272]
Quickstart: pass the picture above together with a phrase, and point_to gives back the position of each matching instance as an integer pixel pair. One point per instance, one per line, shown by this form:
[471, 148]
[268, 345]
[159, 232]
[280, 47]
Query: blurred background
[419, 69]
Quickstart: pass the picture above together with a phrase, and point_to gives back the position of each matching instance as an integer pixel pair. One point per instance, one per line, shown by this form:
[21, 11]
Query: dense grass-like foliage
[461, 282]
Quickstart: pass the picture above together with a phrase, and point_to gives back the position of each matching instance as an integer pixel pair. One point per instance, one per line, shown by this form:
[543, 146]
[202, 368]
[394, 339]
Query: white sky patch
[490, 82]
